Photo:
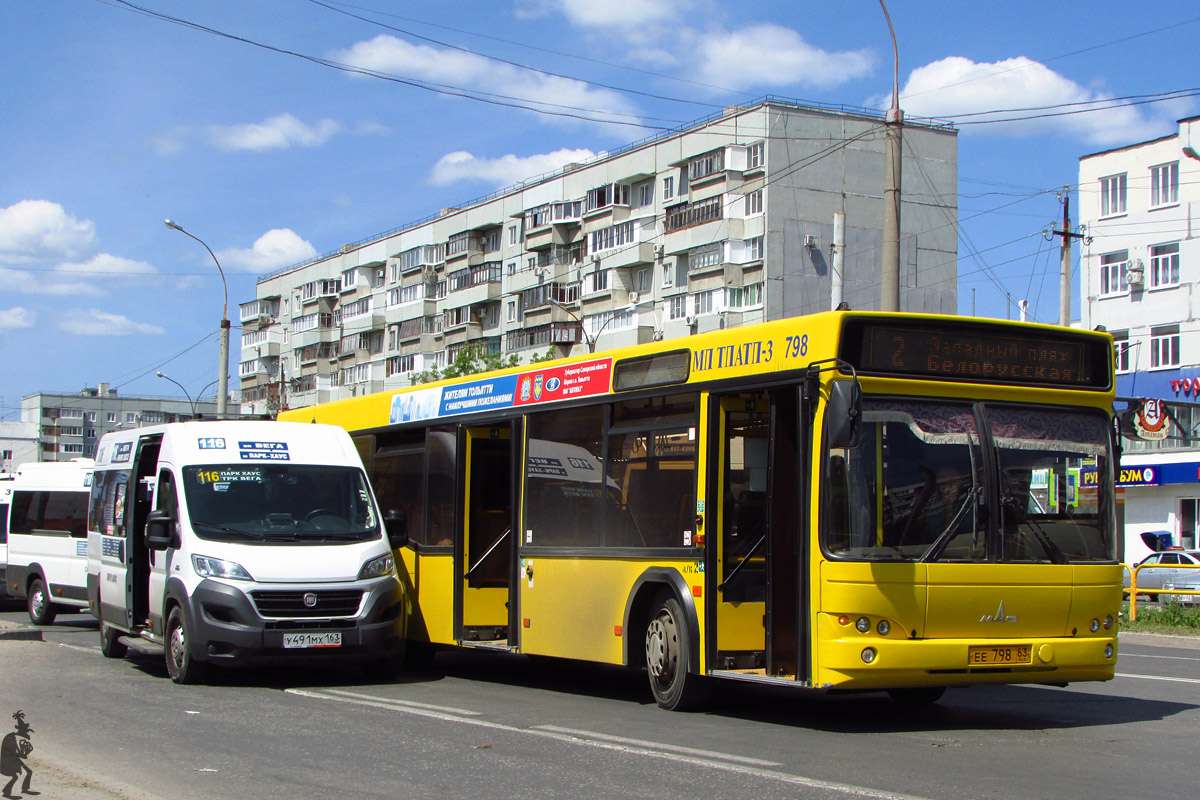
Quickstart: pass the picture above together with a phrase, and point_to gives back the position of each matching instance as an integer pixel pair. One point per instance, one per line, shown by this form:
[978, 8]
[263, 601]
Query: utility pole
[1064, 276]
[889, 284]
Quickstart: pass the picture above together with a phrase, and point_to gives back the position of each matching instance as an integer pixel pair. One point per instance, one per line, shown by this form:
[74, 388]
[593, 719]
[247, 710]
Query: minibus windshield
[279, 503]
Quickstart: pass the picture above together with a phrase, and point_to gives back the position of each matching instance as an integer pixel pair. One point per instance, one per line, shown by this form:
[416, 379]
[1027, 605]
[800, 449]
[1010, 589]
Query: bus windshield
[919, 486]
[280, 503]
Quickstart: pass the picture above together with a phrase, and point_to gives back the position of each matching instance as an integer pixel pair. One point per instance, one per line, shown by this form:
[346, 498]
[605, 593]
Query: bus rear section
[47, 537]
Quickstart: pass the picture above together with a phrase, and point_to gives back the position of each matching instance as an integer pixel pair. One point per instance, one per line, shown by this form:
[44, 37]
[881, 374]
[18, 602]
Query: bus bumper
[900, 663]
[227, 628]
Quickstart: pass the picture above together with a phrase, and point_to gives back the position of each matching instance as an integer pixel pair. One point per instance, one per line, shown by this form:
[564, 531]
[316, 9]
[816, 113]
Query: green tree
[469, 361]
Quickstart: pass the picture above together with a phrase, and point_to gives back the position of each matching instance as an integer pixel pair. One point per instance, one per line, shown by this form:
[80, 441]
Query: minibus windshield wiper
[216, 527]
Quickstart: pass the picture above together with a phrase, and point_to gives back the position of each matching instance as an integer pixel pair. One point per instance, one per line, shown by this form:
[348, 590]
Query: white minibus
[47, 537]
[5, 496]
[239, 542]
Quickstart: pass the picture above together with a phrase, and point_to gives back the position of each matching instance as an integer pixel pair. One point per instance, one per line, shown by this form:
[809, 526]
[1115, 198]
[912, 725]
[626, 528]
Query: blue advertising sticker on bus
[210, 443]
[123, 453]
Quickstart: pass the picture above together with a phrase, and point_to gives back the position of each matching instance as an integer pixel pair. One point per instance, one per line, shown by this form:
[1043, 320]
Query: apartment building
[70, 425]
[1141, 280]
[727, 221]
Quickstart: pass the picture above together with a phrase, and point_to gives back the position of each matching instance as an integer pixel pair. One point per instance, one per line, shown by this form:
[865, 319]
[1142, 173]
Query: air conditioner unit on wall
[633, 297]
[691, 320]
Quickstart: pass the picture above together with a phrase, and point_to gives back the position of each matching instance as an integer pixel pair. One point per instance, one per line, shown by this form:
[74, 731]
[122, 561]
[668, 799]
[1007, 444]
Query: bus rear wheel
[41, 610]
[668, 646]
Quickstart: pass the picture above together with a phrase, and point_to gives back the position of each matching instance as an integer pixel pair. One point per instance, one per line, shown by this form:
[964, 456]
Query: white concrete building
[727, 222]
[1140, 205]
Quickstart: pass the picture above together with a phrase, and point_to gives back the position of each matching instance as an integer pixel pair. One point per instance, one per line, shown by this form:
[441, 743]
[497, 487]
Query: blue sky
[236, 122]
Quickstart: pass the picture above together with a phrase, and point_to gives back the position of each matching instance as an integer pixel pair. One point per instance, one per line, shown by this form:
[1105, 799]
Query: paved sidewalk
[51, 782]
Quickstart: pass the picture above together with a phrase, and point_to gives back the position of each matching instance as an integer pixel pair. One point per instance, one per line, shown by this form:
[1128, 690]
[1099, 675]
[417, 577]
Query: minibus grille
[328, 603]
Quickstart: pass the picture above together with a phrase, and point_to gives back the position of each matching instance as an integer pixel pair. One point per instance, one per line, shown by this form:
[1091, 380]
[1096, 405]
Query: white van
[5, 495]
[47, 537]
[240, 542]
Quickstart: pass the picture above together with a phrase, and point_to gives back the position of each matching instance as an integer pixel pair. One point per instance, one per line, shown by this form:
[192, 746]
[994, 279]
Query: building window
[645, 194]
[610, 194]
[1164, 184]
[668, 187]
[677, 308]
[513, 235]
[1121, 348]
[642, 282]
[743, 297]
[1164, 346]
[130, 416]
[706, 302]
[1114, 277]
[1164, 265]
[754, 249]
[1112, 195]
[756, 155]
[595, 282]
[110, 416]
[754, 203]
[705, 256]
[706, 164]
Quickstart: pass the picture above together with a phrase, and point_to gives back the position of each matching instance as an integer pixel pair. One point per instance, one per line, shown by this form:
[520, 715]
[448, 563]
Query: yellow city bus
[843, 501]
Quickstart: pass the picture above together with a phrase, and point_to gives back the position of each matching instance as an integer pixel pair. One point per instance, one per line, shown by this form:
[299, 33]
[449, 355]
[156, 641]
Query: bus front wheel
[668, 645]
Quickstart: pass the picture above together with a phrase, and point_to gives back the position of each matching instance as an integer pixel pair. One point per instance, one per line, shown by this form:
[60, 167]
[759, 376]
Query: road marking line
[1157, 678]
[404, 703]
[660, 746]
[739, 769]
[1125, 655]
[80, 648]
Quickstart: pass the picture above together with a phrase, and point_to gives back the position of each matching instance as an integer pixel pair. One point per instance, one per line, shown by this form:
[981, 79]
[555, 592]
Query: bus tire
[917, 696]
[668, 647]
[110, 642]
[180, 665]
[41, 610]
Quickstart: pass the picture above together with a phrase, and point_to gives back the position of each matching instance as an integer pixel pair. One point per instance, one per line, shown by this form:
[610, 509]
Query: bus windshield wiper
[1051, 549]
[943, 538]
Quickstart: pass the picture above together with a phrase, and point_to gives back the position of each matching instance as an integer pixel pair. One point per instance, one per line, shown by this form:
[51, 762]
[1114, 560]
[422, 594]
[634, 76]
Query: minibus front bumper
[230, 625]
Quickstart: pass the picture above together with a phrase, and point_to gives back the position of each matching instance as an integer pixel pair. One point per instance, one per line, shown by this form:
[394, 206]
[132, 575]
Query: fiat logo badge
[310, 599]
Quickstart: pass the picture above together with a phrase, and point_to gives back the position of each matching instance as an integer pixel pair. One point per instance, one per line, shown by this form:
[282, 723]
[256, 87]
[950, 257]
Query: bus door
[756, 581]
[126, 497]
[484, 553]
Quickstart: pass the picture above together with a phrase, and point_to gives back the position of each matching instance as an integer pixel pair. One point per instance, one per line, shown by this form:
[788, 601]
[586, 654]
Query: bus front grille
[329, 603]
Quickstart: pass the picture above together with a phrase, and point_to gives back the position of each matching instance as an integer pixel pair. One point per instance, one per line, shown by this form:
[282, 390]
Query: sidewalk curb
[20, 632]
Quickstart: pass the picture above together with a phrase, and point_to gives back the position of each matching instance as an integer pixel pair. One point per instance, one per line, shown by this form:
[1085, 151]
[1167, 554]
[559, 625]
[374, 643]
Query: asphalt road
[480, 725]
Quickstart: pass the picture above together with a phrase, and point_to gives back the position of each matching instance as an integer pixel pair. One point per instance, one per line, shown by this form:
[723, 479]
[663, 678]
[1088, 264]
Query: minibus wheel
[110, 644]
[180, 664]
[668, 647]
[41, 610]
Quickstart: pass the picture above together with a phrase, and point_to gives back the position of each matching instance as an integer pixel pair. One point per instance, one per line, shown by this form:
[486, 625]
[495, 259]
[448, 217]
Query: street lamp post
[223, 368]
[191, 402]
[590, 340]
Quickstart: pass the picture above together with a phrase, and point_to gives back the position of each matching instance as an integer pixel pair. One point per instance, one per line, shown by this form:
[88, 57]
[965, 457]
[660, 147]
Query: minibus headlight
[376, 568]
[207, 567]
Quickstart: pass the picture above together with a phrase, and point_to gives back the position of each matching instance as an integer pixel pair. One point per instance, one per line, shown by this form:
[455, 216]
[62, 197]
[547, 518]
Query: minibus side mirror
[160, 531]
[843, 415]
[395, 522]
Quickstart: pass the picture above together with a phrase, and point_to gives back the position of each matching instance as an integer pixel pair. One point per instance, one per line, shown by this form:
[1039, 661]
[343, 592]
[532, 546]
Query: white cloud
[770, 55]
[17, 317]
[34, 231]
[504, 171]
[108, 266]
[94, 322]
[276, 248]
[957, 85]
[475, 73]
[609, 13]
[278, 132]
[50, 284]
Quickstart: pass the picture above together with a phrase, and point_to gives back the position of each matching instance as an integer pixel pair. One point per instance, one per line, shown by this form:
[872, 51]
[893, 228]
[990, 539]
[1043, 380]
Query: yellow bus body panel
[575, 607]
[430, 579]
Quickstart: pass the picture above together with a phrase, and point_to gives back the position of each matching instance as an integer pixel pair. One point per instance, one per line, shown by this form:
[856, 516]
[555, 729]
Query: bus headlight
[883, 628]
[207, 567]
[1108, 622]
[1095, 625]
[862, 624]
[868, 655]
[377, 567]
[1108, 651]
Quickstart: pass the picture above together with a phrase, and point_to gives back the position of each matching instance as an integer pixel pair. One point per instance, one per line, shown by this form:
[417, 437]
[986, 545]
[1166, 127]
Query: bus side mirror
[843, 414]
[395, 522]
[160, 531]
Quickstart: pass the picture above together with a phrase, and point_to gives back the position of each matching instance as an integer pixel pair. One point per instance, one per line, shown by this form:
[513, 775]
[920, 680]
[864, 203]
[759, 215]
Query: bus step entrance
[480, 635]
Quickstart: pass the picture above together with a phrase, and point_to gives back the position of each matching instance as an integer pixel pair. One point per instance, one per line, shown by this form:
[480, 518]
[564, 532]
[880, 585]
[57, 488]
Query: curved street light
[191, 402]
[223, 369]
